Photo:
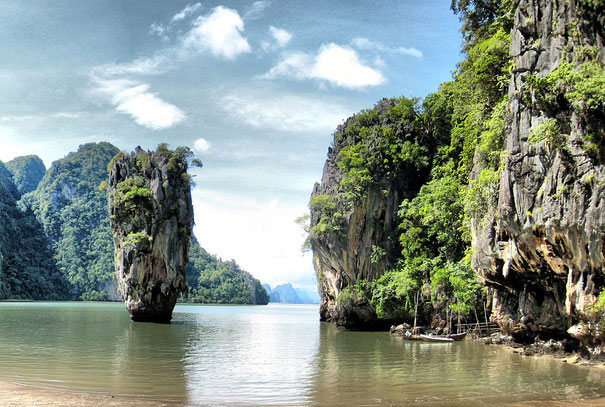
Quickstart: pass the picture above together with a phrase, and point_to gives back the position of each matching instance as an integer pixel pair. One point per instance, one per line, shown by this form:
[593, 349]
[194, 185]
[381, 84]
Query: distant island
[287, 294]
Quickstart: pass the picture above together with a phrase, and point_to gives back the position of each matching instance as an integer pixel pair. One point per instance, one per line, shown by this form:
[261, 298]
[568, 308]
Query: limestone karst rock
[151, 218]
[540, 247]
[345, 233]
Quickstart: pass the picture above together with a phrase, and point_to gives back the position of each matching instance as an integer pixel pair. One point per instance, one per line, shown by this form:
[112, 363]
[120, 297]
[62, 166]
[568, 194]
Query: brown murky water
[273, 355]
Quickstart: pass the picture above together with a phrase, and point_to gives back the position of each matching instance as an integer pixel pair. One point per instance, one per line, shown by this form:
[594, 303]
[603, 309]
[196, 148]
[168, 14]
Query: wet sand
[20, 395]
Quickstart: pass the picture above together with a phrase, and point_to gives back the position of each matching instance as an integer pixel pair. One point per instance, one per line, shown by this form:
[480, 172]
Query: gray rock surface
[151, 218]
[540, 249]
[343, 258]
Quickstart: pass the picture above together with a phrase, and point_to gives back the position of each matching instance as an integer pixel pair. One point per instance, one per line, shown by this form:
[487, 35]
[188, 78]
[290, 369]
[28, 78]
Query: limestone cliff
[354, 218]
[540, 247]
[151, 217]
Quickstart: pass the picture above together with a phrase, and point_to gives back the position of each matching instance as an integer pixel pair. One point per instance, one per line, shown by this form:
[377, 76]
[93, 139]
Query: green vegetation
[576, 86]
[332, 219]
[212, 280]
[27, 267]
[27, 172]
[599, 305]
[73, 213]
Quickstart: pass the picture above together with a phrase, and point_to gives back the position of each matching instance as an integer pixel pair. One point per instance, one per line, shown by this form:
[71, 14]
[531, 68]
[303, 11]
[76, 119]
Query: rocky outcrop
[151, 218]
[343, 253]
[540, 248]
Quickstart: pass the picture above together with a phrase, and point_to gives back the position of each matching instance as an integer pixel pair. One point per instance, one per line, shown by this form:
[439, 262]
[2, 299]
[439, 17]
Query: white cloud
[201, 145]
[48, 116]
[189, 9]
[285, 112]
[134, 99]
[281, 36]
[337, 65]
[155, 65]
[219, 32]
[257, 10]
[365, 44]
[262, 237]
[162, 30]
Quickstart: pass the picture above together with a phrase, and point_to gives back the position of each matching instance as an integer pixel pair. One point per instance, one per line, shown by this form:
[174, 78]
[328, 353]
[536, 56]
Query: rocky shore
[567, 350]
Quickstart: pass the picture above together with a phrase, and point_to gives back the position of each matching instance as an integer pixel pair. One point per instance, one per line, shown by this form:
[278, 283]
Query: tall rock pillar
[151, 218]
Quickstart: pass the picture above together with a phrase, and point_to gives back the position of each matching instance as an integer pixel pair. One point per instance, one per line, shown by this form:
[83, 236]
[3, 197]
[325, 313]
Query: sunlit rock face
[540, 248]
[151, 218]
[342, 255]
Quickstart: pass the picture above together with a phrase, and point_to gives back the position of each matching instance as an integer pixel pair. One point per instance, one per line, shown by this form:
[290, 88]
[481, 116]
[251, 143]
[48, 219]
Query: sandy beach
[20, 395]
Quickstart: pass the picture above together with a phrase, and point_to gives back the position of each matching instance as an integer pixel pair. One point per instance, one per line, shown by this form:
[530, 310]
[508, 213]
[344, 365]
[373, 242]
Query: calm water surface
[278, 354]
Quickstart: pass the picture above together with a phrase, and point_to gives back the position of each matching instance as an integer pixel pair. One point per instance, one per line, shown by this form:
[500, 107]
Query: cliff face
[355, 239]
[151, 216]
[540, 248]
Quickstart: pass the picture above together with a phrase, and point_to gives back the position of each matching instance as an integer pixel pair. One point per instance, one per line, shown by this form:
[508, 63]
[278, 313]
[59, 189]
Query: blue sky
[256, 88]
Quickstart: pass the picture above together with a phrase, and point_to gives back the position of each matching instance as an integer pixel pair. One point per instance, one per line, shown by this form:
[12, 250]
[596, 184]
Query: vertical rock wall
[540, 248]
[152, 218]
[343, 256]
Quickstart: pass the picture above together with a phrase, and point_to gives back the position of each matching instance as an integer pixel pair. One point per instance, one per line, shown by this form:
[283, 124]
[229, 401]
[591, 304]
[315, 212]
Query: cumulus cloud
[337, 65]
[201, 145]
[135, 100]
[220, 32]
[291, 113]
[366, 44]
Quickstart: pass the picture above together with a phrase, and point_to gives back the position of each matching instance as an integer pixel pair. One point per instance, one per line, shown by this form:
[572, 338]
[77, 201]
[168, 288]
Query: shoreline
[13, 394]
[553, 350]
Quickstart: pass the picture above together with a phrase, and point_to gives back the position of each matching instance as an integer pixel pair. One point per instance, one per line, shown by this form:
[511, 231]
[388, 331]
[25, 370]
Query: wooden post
[415, 311]
[458, 305]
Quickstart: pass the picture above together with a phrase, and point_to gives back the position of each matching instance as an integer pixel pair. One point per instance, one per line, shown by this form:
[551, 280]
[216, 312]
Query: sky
[255, 88]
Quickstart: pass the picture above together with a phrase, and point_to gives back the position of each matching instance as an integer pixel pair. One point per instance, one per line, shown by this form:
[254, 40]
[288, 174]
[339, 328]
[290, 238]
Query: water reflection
[275, 355]
[87, 347]
[369, 368]
[256, 355]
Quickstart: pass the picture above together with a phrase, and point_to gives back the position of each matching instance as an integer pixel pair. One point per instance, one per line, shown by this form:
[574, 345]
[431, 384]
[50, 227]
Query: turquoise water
[271, 355]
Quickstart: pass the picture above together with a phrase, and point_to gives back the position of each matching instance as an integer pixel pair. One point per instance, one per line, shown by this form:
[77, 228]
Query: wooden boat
[431, 338]
[457, 337]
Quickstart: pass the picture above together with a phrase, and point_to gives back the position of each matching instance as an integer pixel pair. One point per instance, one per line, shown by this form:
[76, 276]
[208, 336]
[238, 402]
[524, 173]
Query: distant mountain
[27, 267]
[73, 211]
[27, 172]
[308, 296]
[287, 294]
